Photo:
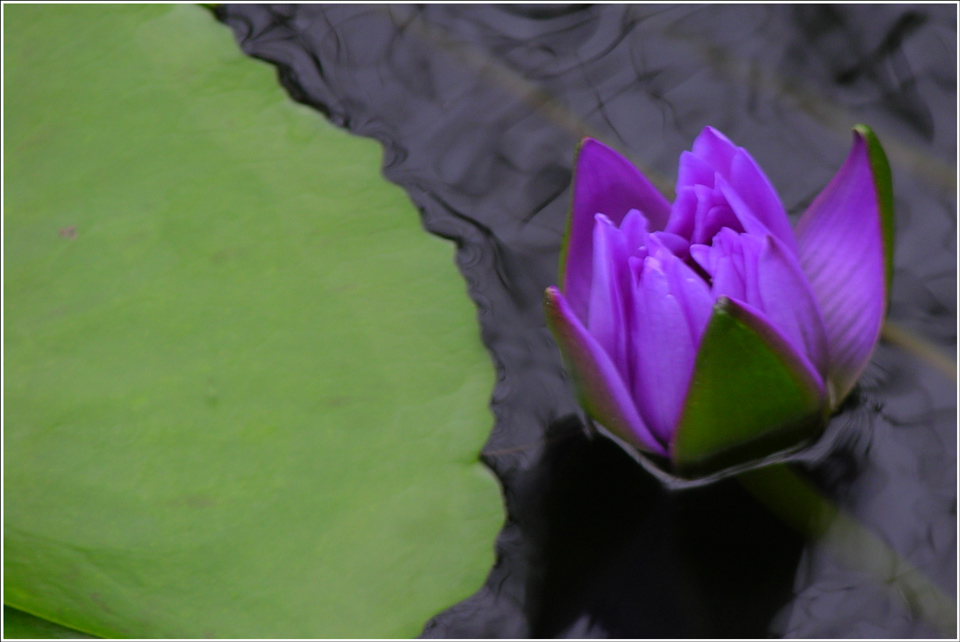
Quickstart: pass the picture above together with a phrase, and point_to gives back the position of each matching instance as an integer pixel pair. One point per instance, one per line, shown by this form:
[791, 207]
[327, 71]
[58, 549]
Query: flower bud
[708, 333]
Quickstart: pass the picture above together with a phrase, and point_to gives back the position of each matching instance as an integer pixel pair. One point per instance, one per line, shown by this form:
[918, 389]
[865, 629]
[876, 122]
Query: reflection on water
[479, 110]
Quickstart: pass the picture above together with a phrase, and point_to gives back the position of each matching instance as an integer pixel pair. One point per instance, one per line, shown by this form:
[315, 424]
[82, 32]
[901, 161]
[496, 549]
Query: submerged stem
[919, 347]
[803, 507]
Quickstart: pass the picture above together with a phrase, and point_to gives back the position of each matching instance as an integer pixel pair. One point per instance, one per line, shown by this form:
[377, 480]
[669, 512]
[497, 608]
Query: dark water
[479, 108]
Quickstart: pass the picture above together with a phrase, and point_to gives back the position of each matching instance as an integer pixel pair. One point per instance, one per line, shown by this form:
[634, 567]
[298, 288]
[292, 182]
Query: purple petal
[717, 162]
[604, 182]
[700, 212]
[694, 170]
[672, 308]
[601, 388]
[841, 245]
[752, 222]
[757, 194]
[713, 214]
[725, 262]
[634, 230]
[705, 257]
[607, 312]
[787, 299]
[716, 149]
[683, 215]
[677, 244]
[762, 272]
[691, 291]
[610, 310]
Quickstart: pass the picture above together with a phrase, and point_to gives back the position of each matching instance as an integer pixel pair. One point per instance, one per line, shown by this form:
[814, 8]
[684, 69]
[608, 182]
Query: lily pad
[245, 392]
[18, 625]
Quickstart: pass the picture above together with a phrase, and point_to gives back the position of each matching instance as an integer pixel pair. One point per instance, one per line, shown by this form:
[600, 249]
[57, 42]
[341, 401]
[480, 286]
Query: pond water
[479, 110]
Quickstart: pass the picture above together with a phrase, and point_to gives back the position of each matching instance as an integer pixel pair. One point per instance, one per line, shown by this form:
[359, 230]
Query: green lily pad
[748, 398]
[245, 392]
[18, 625]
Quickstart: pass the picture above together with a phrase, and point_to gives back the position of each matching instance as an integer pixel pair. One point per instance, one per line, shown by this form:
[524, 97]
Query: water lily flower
[709, 332]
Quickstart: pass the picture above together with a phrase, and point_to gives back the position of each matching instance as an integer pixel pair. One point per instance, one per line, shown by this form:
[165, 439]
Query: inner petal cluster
[652, 293]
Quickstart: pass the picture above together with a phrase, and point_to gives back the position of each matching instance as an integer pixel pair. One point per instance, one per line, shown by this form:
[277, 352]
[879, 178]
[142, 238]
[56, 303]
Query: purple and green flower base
[708, 334]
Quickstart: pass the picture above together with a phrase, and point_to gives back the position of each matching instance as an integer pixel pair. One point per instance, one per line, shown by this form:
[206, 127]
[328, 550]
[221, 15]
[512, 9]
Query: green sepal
[883, 184]
[751, 395]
